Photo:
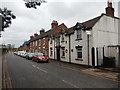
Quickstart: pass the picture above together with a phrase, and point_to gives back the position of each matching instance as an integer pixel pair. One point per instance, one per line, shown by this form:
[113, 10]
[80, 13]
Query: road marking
[70, 83]
[39, 69]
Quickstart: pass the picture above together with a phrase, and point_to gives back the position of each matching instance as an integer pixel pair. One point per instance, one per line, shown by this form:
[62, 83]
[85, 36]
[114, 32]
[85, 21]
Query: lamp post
[88, 34]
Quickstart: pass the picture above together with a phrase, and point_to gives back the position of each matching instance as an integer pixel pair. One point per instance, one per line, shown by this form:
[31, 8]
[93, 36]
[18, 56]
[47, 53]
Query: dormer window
[79, 34]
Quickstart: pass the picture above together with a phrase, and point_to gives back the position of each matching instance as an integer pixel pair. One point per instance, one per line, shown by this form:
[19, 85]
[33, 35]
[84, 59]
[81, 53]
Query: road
[0, 69]
[28, 74]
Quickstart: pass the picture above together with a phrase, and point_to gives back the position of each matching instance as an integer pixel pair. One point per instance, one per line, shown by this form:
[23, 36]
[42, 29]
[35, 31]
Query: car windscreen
[41, 54]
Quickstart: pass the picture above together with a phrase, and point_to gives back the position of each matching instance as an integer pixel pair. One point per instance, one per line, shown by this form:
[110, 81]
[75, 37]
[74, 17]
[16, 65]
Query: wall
[82, 43]
[105, 33]
[66, 45]
[53, 48]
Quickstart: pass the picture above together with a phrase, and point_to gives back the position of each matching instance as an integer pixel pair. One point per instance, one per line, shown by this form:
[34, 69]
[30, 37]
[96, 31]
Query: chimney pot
[54, 24]
[42, 31]
[35, 35]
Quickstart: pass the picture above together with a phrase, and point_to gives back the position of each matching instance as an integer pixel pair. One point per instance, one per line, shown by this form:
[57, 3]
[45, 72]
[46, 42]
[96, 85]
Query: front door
[58, 54]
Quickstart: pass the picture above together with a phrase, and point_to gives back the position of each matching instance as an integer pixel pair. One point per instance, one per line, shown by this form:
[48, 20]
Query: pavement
[96, 72]
[28, 74]
[0, 69]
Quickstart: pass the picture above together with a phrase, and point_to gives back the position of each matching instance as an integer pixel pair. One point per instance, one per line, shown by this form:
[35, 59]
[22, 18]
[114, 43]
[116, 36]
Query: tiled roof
[90, 23]
[47, 33]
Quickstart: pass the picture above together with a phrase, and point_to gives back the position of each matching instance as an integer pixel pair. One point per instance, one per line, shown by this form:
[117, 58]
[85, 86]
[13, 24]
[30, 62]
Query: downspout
[54, 48]
[69, 50]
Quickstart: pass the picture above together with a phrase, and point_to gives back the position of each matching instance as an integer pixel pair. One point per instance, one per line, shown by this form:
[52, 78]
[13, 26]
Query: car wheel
[32, 59]
[37, 61]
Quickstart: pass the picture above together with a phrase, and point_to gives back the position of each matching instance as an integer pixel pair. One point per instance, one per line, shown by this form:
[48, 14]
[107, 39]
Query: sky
[29, 20]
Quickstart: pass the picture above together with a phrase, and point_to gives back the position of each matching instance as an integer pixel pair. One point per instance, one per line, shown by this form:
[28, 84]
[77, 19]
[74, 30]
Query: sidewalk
[96, 72]
[0, 69]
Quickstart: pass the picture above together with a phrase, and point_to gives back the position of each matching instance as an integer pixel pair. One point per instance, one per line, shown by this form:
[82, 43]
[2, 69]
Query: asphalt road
[0, 69]
[28, 74]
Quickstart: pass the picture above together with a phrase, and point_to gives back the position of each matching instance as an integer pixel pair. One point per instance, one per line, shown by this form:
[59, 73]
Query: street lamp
[88, 32]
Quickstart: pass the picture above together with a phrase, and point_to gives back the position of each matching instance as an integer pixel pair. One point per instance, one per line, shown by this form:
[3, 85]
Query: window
[79, 53]
[44, 41]
[39, 48]
[39, 42]
[51, 51]
[36, 43]
[33, 43]
[79, 34]
[62, 37]
[44, 50]
[63, 51]
[58, 42]
[51, 41]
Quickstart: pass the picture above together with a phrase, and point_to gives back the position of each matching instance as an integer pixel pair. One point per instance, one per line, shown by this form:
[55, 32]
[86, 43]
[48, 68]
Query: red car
[40, 57]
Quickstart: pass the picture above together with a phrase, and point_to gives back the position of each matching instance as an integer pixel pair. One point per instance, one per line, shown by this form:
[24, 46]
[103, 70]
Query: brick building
[39, 43]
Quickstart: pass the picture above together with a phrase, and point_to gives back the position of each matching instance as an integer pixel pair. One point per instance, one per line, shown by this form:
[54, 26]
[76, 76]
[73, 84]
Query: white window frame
[79, 50]
[79, 34]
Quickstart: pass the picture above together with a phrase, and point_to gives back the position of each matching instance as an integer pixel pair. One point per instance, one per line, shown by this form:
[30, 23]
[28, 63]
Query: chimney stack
[31, 37]
[109, 9]
[54, 24]
[35, 35]
[42, 31]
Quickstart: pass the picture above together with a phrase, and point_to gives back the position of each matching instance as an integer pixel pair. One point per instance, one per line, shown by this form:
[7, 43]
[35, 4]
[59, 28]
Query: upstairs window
[79, 34]
[44, 41]
[39, 42]
[36, 43]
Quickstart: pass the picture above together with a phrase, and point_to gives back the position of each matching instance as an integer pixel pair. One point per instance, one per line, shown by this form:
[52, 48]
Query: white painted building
[103, 32]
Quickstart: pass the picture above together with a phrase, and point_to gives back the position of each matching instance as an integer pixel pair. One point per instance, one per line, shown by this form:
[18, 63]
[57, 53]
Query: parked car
[40, 57]
[29, 56]
[23, 54]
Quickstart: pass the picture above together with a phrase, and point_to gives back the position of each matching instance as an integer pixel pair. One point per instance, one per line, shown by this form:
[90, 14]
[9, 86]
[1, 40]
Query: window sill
[79, 59]
[78, 39]
[62, 41]
[63, 57]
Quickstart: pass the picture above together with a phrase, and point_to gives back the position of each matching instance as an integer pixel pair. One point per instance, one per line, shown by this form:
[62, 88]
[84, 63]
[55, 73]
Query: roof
[70, 31]
[90, 23]
[47, 33]
[26, 42]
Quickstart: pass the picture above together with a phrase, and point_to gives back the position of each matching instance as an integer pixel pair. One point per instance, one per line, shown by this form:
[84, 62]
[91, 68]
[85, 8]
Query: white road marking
[70, 83]
[39, 69]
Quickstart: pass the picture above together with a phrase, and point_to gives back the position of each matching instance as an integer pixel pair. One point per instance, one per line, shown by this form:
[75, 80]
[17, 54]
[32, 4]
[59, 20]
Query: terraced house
[39, 43]
[87, 43]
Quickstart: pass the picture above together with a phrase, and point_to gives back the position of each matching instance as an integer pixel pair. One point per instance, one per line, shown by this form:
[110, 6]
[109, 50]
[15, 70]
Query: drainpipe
[69, 50]
[54, 48]
[88, 49]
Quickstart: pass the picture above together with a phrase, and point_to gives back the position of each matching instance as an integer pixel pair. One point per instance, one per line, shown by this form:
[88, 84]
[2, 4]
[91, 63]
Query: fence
[108, 56]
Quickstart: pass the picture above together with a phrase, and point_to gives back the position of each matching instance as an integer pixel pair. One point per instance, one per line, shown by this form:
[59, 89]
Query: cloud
[30, 21]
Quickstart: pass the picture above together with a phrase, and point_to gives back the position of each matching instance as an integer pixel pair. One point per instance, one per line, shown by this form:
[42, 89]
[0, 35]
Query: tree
[33, 3]
[6, 16]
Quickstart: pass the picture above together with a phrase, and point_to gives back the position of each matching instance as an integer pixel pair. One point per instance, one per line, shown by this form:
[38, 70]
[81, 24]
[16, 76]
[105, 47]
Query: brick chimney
[35, 35]
[42, 31]
[31, 37]
[110, 9]
[54, 24]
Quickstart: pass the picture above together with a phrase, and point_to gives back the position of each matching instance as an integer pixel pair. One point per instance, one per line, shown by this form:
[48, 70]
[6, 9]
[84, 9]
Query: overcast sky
[29, 20]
